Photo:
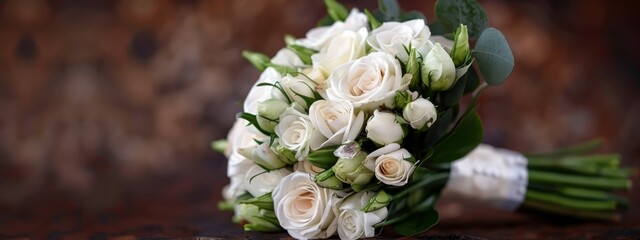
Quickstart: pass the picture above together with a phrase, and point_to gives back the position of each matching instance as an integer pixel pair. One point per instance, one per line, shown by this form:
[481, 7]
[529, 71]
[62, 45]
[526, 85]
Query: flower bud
[300, 90]
[420, 113]
[269, 112]
[323, 157]
[383, 128]
[352, 171]
[461, 52]
[438, 70]
[264, 156]
[328, 179]
[261, 220]
[379, 200]
[271, 108]
[286, 154]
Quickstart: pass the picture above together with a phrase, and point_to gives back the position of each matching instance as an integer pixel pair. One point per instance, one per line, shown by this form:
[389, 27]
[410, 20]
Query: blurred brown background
[107, 108]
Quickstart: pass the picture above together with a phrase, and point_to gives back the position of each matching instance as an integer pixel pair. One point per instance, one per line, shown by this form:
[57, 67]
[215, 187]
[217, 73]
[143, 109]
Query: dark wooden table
[186, 206]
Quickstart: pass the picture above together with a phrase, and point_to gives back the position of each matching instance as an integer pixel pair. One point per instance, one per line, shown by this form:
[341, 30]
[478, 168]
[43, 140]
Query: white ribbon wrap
[495, 177]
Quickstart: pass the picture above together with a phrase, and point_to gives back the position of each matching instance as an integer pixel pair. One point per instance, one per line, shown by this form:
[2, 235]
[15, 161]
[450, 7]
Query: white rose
[393, 37]
[262, 93]
[298, 88]
[390, 166]
[368, 82]
[288, 58]
[240, 136]
[307, 167]
[294, 131]
[318, 37]
[439, 69]
[303, 208]
[234, 189]
[353, 223]
[383, 128]
[419, 113]
[258, 181]
[343, 48]
[335, 123]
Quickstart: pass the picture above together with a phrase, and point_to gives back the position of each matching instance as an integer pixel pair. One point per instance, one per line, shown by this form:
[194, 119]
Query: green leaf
[257, 59]
[336, 10]
[440, 127]
[493, 56]
[462, 139]
[302, 52]
[452, 96]
[451, 13]
[418, 222]
[373, 22]
[472, 81]
[390, 9]
[325, 21]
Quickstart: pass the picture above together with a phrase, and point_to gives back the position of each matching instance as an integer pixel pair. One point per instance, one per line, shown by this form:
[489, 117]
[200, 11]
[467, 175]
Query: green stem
[571, 150]
[542, 206]
[572, 203]
[577, 180]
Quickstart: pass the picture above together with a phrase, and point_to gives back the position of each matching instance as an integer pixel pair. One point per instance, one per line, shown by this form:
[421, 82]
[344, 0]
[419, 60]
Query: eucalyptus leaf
[411, 15]
[437, 28]
[472, 81]
[390, 9]
[462, 139]
[494, 57]
[451, 13]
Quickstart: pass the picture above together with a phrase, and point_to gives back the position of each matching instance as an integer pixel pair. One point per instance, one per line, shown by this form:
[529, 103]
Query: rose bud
[420, 113]
[269, 112]
[461, 52]
[379, 200]
[383, 128]
[438, 70]
[352, 171]
[261, 220]
[328, 179]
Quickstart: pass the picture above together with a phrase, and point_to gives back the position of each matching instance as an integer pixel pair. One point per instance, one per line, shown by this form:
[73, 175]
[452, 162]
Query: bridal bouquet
[362, 124]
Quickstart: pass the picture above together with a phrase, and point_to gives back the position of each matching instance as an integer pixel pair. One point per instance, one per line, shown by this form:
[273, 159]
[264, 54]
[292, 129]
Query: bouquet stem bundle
[573, 183]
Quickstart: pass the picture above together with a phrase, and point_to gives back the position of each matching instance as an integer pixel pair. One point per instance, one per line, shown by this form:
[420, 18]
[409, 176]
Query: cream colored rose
[353, 223]
[368, 82]
[419, 113]
[318, 37]
[393, 37]
[335, 123]
[383, 128]
[390, 166]
[303, 208]
[258, 181]
[294, 131]
[343, 48]
[299, 88]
